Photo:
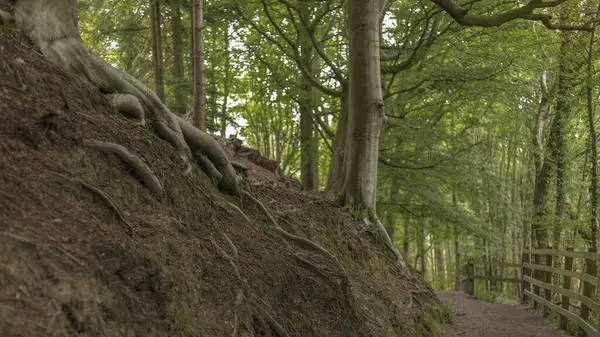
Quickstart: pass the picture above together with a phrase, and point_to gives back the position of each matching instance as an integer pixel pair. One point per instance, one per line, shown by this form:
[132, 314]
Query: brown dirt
[475, 318]
[69, 266]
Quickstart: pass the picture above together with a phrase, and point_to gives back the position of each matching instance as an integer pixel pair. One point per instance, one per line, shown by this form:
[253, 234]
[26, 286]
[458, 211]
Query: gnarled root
[386, 239]
[142, 170]
[49, 24]
[204, 143]
[129, 106]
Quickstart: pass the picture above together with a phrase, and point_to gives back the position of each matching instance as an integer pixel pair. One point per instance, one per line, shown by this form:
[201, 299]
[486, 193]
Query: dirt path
[475, 318]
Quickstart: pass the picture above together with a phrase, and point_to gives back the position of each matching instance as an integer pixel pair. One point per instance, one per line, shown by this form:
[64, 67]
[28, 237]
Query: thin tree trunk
[390, 214]
[157, 57]
[178, 70]
[225, 85]
[309, 153]
[422, 252]
[406, 238]
[563, 111]
[199, 94]
[593, 139]
[457, 278]
[439, 262]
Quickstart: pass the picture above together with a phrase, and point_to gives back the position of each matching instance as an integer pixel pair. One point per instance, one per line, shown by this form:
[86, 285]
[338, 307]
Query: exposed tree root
[279, 330]
[283, 214]
[309, 245]
[263, 314]
[208, 168]
[19, 239]
[49, 24]
[103, 195]
[386, 239]
[142, 170]
[130, 106]
[203, 143]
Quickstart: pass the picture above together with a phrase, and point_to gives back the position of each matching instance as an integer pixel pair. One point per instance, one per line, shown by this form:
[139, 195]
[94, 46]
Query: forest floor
[475, 318]
[86, 249]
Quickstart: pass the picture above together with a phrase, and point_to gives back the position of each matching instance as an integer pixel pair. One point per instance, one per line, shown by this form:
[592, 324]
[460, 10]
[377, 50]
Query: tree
[46, 21]
[157, 50]
[178, 69]
[199, 95]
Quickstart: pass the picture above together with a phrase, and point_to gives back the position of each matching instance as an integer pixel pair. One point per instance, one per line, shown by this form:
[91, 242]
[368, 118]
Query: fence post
[537, 274]
[564, 321]
[525, 271]
[470, 273]
[548, 280]
[588, 289]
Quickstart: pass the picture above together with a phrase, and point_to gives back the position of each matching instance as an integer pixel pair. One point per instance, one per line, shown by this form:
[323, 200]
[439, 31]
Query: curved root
[387, 240]
[49, 24]
[279, 330]
[142, 170]
[103, 195]
[130, 106]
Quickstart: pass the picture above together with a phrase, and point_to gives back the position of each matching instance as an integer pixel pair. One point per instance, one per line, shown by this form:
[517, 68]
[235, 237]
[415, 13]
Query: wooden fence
[541, 270]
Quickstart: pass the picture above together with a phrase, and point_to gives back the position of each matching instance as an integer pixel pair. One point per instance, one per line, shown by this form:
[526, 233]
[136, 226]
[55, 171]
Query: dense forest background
[490, 134]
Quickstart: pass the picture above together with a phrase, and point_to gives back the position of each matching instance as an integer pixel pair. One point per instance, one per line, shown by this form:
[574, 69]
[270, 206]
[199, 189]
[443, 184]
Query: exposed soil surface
[475, 318]
[87, 250]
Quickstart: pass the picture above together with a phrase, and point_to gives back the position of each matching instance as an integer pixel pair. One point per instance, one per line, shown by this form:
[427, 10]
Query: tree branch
[462, 16]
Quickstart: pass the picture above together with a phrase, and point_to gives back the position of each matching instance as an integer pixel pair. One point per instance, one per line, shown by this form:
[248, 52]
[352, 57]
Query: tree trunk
[178, 70]
[593, 139]
[457, 278]
[157, 52]
[390, 214]
[225, 85]
[366, 106]
[563, 111]
[543, 172]
[309, 145]
[422, 252]
[439, 262]
[199, 95]
[337, 172]
[49, 25]
[406, 238]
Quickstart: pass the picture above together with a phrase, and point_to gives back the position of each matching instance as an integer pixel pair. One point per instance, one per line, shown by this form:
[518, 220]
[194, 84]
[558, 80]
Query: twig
[279, 330]
[105, 197]
[226, 256]
[262, 207]
[142, 170]
[231, 245]
[239, 210]
[64, 251]
[19, 239]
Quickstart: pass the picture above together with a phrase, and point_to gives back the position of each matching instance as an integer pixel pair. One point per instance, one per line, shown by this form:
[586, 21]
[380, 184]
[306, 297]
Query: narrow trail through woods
[476, 318]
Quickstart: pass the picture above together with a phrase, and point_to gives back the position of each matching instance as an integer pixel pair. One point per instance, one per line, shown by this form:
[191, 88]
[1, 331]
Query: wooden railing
[539, 267]
[471, 276]
[538, 284]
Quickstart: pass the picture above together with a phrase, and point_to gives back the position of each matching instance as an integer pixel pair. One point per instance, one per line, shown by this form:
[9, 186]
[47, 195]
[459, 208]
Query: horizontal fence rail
[547, 272]
[539, 275]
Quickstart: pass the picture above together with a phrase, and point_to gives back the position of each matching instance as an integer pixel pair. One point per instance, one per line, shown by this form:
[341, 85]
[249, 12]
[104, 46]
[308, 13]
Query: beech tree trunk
[198, 37]
[178, 69]
[366, 106]
[157, 52]
[591, 109]
[224, 117]
[309, 145]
